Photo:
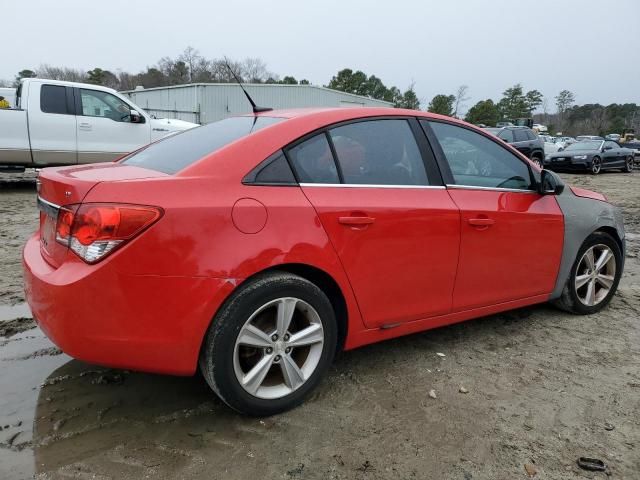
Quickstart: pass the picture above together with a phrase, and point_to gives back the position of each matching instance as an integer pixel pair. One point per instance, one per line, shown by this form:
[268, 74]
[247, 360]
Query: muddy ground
[544, 388]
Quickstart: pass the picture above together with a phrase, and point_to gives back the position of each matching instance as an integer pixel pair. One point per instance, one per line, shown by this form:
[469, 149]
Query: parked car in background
[523, 139]
[183, 256]
[593, 156]
[550, 144]
[66, 123]
[581, 138]
[613, 136]
[504, 124]
[538, 127]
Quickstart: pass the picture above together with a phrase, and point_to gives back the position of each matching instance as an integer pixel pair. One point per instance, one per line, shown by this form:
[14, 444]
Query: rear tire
[260, 364]
[629, 165]
[576, 294]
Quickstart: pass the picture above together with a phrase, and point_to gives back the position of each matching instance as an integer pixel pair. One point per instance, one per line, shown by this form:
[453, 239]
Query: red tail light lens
[93, 230]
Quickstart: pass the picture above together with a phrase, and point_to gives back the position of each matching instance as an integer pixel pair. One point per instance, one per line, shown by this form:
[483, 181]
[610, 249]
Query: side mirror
[136, 117]
[550, 183]
[608, 147]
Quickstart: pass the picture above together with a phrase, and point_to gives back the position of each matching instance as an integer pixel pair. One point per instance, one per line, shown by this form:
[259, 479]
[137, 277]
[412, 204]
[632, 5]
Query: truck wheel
[270, 344]
[594, 277]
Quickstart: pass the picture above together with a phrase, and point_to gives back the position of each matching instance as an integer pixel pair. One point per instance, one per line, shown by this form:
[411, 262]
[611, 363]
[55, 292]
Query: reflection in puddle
[9, 312]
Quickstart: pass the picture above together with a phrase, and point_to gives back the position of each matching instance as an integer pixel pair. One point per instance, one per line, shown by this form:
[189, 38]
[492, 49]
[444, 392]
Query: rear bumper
[97, 314]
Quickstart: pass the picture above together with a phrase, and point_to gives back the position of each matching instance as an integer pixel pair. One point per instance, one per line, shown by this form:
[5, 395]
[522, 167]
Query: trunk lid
[64, 186]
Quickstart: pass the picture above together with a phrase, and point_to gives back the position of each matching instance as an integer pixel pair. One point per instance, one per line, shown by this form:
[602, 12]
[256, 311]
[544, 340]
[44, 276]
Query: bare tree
[191, 57]
[255, 70]
[5, 83]
[461, 97]
[61, 73]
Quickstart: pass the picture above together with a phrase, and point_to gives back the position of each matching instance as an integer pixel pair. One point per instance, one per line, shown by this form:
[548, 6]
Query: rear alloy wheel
[596, 165]
[270, 344]
[594, 276]
[629, 165]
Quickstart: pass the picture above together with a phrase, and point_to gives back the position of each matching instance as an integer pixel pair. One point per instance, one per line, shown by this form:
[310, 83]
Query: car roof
[351, 113]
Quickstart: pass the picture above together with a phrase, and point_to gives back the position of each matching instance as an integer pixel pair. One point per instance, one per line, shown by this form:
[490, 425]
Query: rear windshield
[181, 150]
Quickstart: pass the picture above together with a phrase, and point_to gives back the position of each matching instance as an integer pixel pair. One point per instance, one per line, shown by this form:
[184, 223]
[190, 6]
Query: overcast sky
[590, 47]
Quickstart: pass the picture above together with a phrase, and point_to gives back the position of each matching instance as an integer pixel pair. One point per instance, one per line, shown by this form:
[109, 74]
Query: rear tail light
[93, 230]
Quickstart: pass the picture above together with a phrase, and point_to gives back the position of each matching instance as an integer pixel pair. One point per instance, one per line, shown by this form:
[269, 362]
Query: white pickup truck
[65, 123]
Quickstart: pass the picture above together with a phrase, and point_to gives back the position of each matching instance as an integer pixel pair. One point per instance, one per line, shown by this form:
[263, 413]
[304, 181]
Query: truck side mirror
[136, 117]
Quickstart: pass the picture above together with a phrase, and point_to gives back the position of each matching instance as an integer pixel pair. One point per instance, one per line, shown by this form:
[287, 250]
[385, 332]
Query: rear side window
[506, 135]
[313, 161]
[276, 172]
[53, 99]
[379, 152]
[177, 152]
[520, 135]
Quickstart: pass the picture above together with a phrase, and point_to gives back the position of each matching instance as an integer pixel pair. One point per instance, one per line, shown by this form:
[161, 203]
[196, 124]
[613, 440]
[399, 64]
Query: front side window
[477, 161]
[379, 152]
[102, 104]
[53, 99]
[611, 145]
[313, 161]
[531, 135]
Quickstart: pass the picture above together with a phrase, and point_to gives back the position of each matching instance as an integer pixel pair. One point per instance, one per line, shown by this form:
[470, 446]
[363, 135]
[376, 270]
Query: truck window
[53, 99]
[102, 104]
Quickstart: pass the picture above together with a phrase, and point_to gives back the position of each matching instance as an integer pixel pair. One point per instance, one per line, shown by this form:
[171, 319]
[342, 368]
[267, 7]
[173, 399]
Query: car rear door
[511, 236]
[52, 124]
[105, 131]
[522, 142]
[377, 192]
[613, 155]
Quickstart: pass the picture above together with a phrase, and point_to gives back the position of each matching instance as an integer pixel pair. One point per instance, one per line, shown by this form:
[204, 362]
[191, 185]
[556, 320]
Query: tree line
[191, 67]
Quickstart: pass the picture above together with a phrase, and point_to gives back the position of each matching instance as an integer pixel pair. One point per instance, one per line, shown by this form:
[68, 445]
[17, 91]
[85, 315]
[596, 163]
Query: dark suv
[524, 139]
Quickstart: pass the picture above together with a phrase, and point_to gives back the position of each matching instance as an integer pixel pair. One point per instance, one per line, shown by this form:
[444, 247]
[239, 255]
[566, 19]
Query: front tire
[270, 344]
[538, 161]
[596, 165]
[594, 277]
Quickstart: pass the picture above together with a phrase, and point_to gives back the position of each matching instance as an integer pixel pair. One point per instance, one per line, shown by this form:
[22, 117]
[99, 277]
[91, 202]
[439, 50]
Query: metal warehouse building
[208, 102]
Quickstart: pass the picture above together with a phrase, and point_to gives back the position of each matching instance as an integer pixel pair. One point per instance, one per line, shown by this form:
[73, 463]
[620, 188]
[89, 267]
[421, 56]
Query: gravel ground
[517, 395]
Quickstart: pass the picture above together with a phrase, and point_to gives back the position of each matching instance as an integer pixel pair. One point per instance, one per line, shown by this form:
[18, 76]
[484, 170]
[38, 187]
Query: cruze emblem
[67, 193]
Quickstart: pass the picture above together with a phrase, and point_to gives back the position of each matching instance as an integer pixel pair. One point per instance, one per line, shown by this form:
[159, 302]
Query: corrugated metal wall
[206, 103]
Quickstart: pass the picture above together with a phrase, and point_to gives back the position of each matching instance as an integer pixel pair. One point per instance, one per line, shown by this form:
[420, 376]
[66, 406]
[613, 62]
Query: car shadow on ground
[85, 412]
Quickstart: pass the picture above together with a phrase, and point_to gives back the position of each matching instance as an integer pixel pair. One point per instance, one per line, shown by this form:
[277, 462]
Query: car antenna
[254, 107]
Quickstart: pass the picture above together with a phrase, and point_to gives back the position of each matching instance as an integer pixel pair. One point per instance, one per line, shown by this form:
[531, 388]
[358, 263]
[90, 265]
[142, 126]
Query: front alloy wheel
[596, 165]
[595, 275]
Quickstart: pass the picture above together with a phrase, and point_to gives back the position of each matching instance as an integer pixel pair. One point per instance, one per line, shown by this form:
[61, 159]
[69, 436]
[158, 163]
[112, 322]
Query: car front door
[105, 130]
[511, 236]
[378, 194]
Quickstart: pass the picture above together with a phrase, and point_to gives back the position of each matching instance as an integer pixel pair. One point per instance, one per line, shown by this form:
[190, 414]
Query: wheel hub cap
[595, 275]
[278, 348]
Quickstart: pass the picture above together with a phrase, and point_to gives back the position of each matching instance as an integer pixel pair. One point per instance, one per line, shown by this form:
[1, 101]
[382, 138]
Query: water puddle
[11, 312]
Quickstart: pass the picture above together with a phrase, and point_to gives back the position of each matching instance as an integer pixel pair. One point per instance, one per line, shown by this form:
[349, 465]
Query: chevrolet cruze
[257, 247]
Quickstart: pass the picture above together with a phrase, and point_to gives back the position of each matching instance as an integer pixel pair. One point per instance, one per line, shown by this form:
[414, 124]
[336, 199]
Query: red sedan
[259, 246]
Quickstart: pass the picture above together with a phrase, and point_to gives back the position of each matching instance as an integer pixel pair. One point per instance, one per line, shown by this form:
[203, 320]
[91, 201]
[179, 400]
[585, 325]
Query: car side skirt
[365, 337]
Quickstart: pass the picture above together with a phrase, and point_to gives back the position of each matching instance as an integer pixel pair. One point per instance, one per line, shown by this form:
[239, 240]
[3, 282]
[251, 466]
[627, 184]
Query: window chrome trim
[491, 189]
[367, 185]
